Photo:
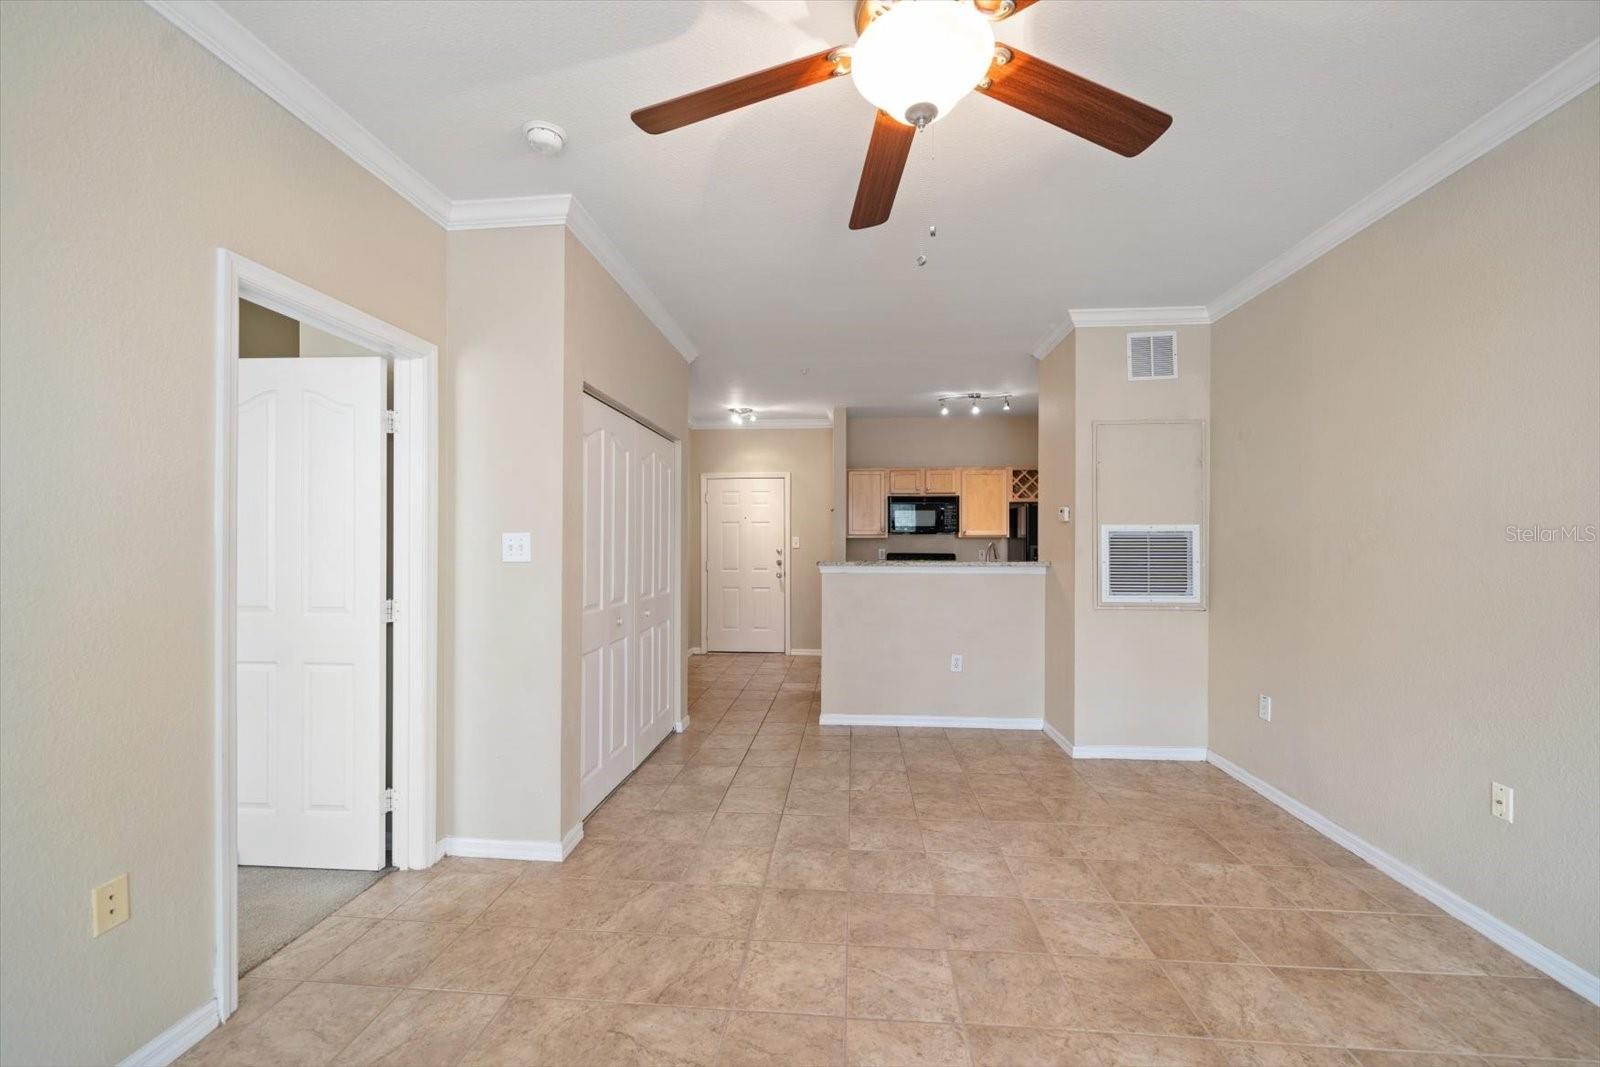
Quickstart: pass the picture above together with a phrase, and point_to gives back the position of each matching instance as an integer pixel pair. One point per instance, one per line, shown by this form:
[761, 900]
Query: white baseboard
[947, 722]
[697, 652]
[1058, 737]
[805, 652]
[491, 848]
[681, 725]
[177, 1039]
[1506, 936]
[570, 839]
[1156, 752]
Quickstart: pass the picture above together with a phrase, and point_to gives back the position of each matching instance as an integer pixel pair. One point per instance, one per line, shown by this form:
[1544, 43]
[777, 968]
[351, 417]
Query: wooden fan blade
[880, 175]
[740, 92]
[1076, 104]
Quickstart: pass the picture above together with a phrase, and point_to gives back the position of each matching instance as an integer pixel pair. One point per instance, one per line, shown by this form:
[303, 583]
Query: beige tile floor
[765, 890]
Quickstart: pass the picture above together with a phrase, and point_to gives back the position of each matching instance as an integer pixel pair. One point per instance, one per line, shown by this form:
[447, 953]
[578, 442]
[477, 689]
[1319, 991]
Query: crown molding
[1058, 333]
[1574, 75]
[799, 422]
[217, 32]
[1086, 318]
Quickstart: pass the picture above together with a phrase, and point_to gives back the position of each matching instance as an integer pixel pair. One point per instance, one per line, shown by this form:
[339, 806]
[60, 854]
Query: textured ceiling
[1285, 115]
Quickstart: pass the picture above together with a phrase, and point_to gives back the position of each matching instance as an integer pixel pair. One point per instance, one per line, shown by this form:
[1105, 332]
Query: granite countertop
[932, 563]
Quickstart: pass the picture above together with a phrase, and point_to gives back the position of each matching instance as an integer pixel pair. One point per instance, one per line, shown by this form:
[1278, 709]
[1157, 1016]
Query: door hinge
[390, 611]
[388, 800]
[391, 421]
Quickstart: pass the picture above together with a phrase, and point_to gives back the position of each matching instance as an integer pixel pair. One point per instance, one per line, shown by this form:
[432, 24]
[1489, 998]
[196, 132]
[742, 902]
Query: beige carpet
[278, 904]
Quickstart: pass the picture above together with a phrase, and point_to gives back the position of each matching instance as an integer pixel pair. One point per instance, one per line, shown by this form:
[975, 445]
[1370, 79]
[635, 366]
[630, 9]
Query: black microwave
[923, 515]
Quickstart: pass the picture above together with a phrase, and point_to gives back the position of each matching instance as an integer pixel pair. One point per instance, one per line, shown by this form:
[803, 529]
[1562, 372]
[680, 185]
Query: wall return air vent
[1149, 564]
[1152, 356]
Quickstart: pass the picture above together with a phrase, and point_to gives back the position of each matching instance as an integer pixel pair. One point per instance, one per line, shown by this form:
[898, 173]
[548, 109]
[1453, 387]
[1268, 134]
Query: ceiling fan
[914, 60]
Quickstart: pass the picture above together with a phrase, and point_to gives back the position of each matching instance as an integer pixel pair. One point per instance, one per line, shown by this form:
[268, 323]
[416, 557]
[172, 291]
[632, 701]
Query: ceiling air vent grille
[1149, 564]
[1152, 355]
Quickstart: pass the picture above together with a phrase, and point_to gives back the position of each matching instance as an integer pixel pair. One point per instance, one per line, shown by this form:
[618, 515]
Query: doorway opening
[326, 515]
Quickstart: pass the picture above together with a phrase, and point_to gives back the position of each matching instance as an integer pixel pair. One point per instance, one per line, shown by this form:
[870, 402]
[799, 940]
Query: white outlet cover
[794, 543]
[955, 664]
[516, 547]
[1264, 708]
[1500, 801]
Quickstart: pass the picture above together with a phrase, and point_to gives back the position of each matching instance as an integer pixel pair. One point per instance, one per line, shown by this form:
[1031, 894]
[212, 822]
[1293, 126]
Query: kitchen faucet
[990, 553]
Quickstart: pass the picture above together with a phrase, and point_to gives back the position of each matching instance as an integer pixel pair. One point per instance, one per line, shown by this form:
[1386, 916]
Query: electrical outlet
[110, 904]
[1500, 801]
[516, 548]
[881, 552]
[955, 663]
[1264, 707]
[794, 542]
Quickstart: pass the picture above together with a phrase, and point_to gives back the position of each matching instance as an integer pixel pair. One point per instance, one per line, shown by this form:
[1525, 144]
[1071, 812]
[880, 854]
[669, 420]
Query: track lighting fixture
[976, 400]
[741, 415]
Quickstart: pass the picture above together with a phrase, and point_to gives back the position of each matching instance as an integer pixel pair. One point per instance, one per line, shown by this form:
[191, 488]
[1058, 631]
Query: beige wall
[128, 155]
[1058, 476]
[807, 457]
[264, 332]
[841, 485]
[1140, 673]
[1382, 417]
[954, 440]
[888, 634]
[614, 350]
[501, 623]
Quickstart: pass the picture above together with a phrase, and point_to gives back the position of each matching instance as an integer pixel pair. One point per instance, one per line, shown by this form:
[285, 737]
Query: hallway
[764, 890]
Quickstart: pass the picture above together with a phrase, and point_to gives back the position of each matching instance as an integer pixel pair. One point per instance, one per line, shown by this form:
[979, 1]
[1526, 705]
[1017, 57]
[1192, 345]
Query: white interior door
[746, 598]
[629, 594]
[311, 573]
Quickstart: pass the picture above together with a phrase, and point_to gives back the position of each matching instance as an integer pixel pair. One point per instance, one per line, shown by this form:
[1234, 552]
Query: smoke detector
[545, 138]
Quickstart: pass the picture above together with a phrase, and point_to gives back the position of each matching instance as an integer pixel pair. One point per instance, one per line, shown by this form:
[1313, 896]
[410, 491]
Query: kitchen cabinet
[866, 509]
[1024, 485]
[985, 501]
[941, 481]
[905, 482]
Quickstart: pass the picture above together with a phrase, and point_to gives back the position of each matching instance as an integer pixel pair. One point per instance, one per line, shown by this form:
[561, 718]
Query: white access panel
[311, 574]
[746, 606]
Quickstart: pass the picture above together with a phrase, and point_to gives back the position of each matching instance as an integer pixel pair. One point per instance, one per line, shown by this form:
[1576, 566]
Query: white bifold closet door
[311, 573]
[629, 661]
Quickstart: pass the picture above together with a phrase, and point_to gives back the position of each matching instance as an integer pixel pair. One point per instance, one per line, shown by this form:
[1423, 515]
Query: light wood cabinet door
[866, 503]
[985, 498]
[941, 481]
[906, 482]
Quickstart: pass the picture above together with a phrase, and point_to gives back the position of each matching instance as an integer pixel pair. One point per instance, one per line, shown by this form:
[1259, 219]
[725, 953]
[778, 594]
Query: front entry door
[629, 664]
[311, 574]
[746, 598]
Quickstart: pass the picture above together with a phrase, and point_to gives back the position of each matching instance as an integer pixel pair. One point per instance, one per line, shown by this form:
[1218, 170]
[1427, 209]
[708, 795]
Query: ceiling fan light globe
[921, 55]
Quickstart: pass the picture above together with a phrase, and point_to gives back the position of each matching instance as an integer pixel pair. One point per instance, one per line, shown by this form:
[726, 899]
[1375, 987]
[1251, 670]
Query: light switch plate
[955, 663]
[516, 548]
[1264, 707]
[110, 903]
[794, 542]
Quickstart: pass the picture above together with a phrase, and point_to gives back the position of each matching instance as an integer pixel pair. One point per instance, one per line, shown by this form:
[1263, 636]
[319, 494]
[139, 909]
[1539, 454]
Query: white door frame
[415, 507]
[788, 552]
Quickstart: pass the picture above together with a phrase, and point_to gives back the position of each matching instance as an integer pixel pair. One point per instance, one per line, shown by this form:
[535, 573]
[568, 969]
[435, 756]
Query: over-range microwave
[923, 515]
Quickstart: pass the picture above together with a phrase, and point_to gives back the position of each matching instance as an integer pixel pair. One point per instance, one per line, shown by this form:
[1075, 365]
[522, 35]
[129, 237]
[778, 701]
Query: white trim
[1567, 79]
[1058, 333]
[221, 35]
[1508, 937]
[705, 505]
[415, 565]
[1103, 532]
[1151, 752]
[948, 722]
[550, 209]
[218, 33]
[881, 567]
[492, 848]
[805, 652]
[1088, 318]
[176, 1039]
[697, 651]
[682, 724]
[794, 422]
[1058, 737]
